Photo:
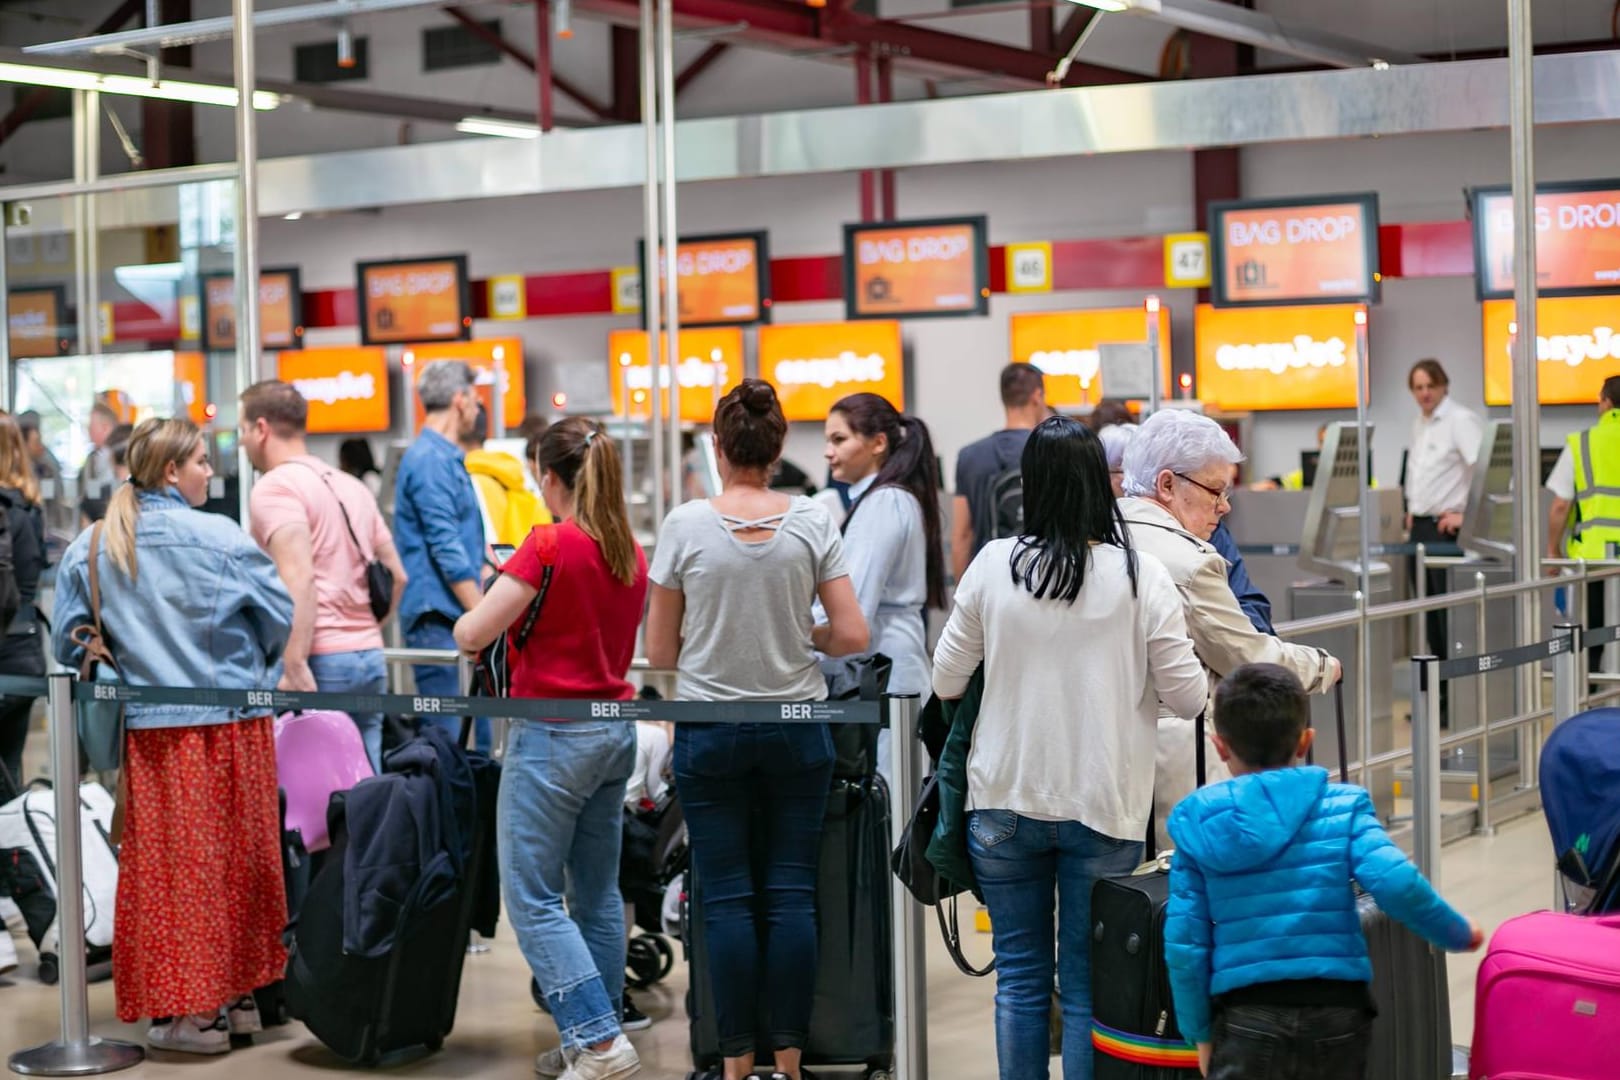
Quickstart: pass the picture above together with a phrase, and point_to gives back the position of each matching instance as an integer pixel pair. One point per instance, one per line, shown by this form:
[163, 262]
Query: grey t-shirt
[746, 631]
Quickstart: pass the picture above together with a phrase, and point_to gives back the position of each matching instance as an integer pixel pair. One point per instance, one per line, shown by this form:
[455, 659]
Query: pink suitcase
[1547, 1005]
[317, 753]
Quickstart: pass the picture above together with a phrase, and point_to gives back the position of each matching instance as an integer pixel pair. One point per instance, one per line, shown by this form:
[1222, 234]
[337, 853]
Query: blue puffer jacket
[1261, 888]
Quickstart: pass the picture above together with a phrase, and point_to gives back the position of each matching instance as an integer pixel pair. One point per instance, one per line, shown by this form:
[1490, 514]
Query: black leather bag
[855, 746]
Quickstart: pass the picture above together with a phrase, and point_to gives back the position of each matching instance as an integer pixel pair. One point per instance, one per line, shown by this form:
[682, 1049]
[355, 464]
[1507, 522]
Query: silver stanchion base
[87, 1059]
[1459, 1063]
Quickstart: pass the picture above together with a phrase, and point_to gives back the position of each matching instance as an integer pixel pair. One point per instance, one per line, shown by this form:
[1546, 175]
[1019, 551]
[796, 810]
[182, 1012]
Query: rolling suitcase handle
[1339, 733]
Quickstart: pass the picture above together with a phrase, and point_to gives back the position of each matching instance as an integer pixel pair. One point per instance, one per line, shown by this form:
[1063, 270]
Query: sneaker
[633, 1019]
[192, 1035]
[616, 1062]
[243, 1016]
[553, 1063]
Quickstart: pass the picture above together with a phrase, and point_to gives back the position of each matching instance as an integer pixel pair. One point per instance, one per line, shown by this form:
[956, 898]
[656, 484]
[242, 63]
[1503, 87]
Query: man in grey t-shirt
[981, 464]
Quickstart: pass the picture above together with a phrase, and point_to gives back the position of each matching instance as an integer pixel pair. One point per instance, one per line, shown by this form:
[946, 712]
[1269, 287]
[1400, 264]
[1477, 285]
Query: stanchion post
[77, 1052]
[1422, 645]
[1426, 766]
[1482, 716]
[910, 957]
[1566, 674]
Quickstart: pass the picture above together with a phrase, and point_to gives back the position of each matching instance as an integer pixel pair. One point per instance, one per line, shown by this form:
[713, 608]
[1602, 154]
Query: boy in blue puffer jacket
[1267, 961]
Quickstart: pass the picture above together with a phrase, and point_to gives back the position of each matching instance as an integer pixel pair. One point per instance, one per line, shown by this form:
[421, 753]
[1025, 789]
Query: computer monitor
[1549, 459]
[1308, 460]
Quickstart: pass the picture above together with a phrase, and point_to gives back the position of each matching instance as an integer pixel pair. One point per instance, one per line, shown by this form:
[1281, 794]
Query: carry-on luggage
[1411, 1037]
[396, 987]
[297, 871]
[317, 753]
[1580, 791]
[28, 866]
[1547, 999]
[852, 1022]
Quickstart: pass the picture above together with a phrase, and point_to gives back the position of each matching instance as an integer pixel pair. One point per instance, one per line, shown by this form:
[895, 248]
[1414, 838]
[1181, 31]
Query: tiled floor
[498, 1029]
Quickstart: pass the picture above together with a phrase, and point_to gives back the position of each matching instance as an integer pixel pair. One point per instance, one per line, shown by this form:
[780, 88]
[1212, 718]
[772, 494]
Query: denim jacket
[438, 528]
[207, 610]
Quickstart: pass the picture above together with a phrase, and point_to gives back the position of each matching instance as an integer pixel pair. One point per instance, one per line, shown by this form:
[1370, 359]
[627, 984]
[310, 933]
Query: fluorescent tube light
[506, 129]
[1104, 5]
[132, 86]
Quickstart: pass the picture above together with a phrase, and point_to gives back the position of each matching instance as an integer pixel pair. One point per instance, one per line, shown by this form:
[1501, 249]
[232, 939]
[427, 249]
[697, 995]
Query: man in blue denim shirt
[437, 524]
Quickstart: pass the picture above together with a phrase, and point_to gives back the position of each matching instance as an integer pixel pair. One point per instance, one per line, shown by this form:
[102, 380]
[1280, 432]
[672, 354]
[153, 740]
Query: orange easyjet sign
[35, 317]
[347, 389]
[414, 300]
[813, 365]
[1577, 347]
[1577, 239]
[191, 384]
[711, 366]
[1277, 358]
[1294, 251]
[487, 357]
[1066, 346]
[917, 269]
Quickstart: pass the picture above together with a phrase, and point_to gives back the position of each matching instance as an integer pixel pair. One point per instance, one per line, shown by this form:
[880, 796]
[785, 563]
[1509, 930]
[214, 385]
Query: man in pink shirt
[321, 527]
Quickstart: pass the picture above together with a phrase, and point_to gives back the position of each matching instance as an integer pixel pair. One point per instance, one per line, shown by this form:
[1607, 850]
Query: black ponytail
[910, 465]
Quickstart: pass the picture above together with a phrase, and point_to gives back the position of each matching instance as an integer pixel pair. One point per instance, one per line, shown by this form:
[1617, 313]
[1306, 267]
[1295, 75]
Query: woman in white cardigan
[1081, 638]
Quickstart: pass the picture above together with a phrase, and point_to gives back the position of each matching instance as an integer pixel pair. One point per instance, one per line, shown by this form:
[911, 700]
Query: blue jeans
[360, 672]
[438, 680]
[561, 816]
[754, 796]
[1037, 878]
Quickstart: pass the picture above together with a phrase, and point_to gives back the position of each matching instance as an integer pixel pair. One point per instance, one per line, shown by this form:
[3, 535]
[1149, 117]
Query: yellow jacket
[510, 507]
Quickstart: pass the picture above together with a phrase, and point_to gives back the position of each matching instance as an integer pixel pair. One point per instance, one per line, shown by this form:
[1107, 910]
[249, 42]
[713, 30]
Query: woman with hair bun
[187, 599]
[735, 579]
[562, 784]
[892, 536]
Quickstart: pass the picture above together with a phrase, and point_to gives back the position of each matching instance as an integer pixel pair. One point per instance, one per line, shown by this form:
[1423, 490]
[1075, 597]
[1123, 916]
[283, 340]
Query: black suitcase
[1411, 1039]
[852, 1021]
[297, 871]
[364, 1008]
[1133, 1020]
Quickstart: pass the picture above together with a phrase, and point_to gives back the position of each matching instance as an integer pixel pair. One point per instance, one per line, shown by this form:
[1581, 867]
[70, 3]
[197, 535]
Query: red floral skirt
[201, 900]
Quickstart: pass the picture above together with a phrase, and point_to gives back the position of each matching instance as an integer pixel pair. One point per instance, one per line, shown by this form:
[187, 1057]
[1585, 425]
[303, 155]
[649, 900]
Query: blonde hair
[586, 461]
[154, 446]
[16, 466]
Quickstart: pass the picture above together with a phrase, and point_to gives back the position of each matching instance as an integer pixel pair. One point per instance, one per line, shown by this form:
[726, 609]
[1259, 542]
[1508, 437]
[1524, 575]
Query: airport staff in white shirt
[1439, 469]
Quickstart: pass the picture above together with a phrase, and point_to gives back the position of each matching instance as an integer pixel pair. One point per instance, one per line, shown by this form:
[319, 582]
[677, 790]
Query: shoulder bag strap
[95, 581]
[1344, 746]
[547, 551]
[1198, 751]
[347, 524]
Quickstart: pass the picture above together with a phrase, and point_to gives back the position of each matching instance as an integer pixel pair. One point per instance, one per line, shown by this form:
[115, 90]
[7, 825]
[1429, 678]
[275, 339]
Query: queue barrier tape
[1603, 635]
[23, 686]
[1464, 666]
[1437, 550]
[280, 701]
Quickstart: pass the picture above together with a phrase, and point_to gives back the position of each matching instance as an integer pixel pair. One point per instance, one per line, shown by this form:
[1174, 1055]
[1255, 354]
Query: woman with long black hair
[1081, 639]
[892, 535]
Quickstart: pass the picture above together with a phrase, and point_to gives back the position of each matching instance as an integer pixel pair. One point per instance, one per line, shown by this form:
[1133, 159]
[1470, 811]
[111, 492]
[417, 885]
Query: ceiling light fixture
[132, 86]
[506, 129]
[1104, 5]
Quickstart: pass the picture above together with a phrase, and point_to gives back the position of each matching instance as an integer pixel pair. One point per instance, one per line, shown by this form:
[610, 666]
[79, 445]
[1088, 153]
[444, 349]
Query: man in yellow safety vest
[1587, 480]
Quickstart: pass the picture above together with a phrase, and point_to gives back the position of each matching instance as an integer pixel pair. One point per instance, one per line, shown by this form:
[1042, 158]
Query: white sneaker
[553, 1063]
[243, 1016]
[192, 1035]
[616, 1062]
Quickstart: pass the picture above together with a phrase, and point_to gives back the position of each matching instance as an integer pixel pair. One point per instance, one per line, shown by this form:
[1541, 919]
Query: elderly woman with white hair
[1115, 438]
[1177, 481]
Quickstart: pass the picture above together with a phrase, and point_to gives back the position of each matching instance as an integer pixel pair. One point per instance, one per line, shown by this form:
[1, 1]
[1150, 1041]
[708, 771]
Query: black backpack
[1001, 508]
[10, 596]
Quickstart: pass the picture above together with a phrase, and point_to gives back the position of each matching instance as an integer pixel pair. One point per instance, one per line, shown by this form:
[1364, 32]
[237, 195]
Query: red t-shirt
[585, 638]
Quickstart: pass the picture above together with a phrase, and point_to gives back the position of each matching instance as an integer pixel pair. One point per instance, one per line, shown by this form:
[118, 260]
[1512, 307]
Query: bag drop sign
[1577, 240]
[916, 269]
[1294, 252]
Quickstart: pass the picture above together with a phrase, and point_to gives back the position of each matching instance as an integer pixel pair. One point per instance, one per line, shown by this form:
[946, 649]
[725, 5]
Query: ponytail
[585, 459]
[118, 529]
[910, 465]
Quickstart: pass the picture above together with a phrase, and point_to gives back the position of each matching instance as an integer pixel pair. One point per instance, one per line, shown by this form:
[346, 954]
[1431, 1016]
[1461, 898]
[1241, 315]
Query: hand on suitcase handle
[1476, 936]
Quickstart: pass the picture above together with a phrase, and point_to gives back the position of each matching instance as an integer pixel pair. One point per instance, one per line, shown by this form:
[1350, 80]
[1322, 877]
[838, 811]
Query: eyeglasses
[1220, 496]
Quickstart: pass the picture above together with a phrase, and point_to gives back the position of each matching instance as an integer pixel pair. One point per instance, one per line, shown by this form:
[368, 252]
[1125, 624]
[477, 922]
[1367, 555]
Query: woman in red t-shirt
[562, 786]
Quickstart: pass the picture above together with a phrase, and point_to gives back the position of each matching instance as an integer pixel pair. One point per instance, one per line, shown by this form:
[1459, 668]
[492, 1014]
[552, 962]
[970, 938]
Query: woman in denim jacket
[188, 600]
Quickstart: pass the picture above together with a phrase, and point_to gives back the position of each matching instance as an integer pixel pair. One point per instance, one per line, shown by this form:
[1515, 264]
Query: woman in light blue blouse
[892, 535]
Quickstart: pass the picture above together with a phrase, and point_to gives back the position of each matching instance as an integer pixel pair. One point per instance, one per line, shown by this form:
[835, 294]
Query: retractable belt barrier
[1603, 635]
[280, 701]
[23, 686]
[1484, 663]
[1436, 550]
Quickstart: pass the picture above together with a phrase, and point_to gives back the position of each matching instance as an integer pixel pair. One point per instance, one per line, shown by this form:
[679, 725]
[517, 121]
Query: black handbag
[924, 881]
[864, 678]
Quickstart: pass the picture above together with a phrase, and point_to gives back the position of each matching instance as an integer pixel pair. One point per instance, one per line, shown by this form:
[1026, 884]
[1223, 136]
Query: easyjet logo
[343, 386]
[1574, 350]
[691, 373]
[1303, 351]
[1083, 363]
[847, 367]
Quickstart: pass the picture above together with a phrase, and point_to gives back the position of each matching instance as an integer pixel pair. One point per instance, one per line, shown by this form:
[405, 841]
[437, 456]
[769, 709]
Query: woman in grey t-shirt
[734, 579]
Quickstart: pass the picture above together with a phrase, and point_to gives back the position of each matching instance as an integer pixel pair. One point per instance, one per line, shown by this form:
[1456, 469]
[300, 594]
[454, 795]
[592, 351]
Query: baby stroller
[652, 862]
[1580, 789]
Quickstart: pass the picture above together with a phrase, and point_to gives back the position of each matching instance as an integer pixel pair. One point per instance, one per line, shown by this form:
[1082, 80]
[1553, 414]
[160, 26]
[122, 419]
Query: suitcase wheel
[49, 969]
[648, 958]
[435, 1044]
[879, 1074]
